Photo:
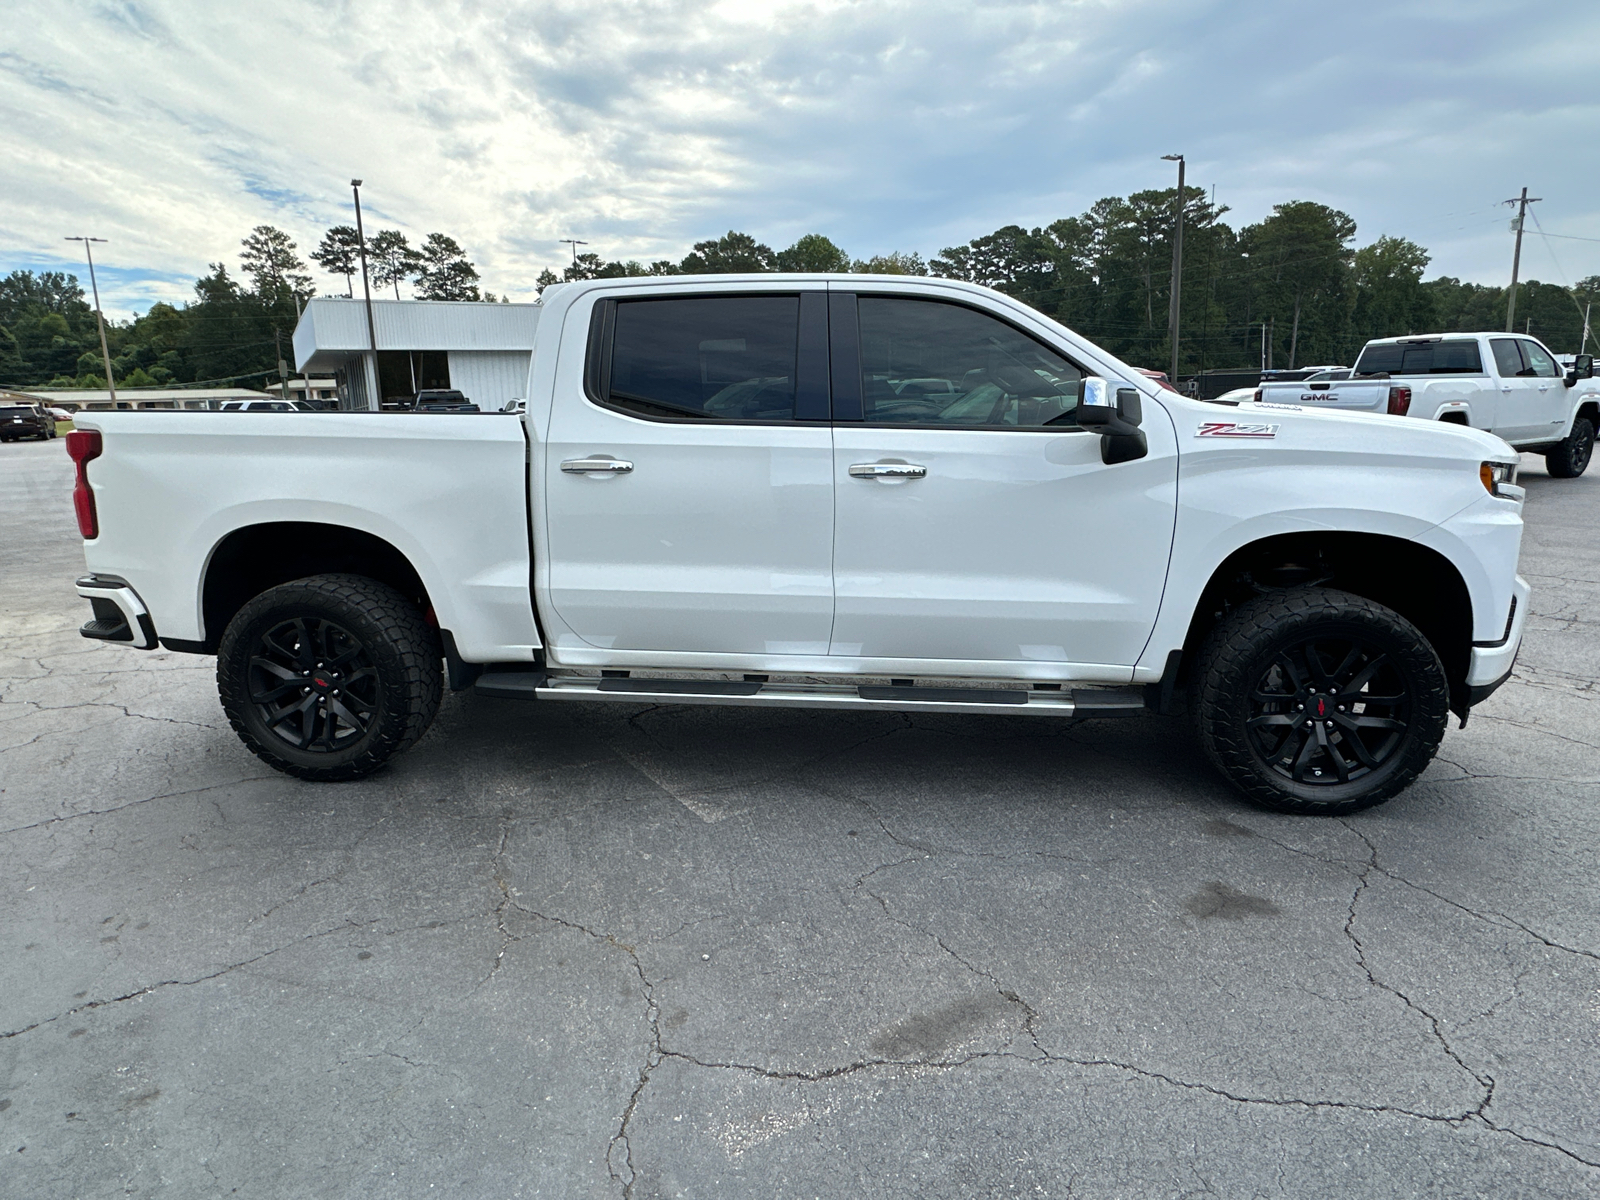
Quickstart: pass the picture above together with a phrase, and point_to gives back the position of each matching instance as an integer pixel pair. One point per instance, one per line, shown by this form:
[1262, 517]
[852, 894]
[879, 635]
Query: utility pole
[99, 318]
[574, 243]
[373, 399]
[1177, 267]
[1516, 258]
[283, 367]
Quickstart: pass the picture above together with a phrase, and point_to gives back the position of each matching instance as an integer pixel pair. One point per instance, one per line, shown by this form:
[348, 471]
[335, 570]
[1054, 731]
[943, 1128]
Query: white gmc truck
[837, 492]
[1508, 384]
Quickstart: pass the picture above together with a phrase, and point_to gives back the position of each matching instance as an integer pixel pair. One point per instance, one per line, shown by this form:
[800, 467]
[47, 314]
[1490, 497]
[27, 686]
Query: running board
[530, 685]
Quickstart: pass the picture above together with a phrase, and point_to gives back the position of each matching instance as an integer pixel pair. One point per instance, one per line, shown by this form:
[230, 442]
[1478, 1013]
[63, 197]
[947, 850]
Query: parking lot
[599, 951]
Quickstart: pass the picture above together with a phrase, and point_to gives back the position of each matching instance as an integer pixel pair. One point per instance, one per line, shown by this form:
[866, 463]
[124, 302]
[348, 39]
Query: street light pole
[373, 399]
[99, 318]
[574, 243]
[1177, 267]
[1516, 257]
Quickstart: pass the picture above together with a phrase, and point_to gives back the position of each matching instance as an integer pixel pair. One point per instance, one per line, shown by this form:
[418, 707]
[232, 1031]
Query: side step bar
[537, 685]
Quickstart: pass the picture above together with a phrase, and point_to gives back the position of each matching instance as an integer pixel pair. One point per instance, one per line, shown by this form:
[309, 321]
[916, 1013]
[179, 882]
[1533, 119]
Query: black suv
[442, 400]
[25, 420]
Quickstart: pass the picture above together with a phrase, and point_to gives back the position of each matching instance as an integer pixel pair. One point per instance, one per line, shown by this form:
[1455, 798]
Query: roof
[333, 329]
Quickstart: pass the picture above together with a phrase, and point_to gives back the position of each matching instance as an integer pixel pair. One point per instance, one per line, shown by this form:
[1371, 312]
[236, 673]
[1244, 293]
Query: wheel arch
[1416, 581]
[253, 558]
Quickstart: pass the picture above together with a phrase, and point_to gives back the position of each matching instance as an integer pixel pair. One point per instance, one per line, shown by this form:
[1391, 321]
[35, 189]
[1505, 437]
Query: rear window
[729, 358]
[1455, 356]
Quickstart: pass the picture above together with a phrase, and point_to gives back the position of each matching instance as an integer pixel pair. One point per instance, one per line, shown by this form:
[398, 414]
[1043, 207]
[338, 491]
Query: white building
[480, 349]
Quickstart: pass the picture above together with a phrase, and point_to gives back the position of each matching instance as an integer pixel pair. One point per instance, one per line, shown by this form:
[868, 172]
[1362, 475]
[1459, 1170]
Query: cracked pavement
[592, 951]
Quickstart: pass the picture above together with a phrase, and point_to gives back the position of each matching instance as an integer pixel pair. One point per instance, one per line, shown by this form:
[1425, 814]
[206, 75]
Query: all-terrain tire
[1244, 690]
[330, 630]
[1569, 458]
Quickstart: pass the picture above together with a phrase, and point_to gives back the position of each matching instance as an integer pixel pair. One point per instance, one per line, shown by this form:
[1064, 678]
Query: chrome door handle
[597, 466]
[887, 471]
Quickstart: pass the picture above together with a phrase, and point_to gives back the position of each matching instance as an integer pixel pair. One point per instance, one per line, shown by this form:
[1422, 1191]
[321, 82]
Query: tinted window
[1507, 358]
[927, 363]
[729, 358]
[1454, 356]
[1540, 361]
[1327, 376]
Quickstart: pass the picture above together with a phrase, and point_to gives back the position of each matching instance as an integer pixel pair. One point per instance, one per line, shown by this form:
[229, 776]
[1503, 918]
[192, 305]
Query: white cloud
[172, 128]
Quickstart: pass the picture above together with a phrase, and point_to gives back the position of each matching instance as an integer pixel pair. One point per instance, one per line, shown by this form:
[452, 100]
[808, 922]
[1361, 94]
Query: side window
[1540, 361]
[924, 362]
[1507, 358]
[708, 358]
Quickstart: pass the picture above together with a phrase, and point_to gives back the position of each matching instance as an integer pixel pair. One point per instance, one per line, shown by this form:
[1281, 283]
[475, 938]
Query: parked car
[25, 420]
[1510, 385]
[1159, 378]
[728, 501]
[442, 400]
[268, 406]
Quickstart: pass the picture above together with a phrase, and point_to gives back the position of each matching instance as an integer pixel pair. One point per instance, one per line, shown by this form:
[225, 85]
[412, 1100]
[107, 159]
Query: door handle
[887, 471]
[597, 466]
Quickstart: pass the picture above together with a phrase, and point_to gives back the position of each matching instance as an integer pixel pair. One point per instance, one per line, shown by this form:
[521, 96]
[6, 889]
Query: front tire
[1317, 701]
[329, 677]
[1569, 458]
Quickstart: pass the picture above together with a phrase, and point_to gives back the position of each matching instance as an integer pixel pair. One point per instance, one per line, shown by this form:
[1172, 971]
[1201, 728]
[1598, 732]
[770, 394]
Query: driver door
[975, 521]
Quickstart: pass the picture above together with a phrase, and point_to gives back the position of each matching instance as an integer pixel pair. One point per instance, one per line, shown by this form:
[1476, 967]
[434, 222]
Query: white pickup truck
[1508, 384]
[862, 493]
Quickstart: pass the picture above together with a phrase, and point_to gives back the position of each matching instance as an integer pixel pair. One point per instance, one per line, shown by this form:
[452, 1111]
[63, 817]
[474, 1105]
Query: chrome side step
[1039, 702]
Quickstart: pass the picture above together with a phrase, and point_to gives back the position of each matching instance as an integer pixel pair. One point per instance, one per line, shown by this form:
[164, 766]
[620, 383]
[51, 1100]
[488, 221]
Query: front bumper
[1491, 662]
[119, 614]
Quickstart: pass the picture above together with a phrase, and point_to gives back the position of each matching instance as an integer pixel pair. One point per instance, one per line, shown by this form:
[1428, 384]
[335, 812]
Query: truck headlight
[1500, 479]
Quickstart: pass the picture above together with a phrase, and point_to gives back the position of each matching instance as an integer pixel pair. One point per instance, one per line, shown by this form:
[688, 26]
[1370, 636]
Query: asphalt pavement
[571, 950]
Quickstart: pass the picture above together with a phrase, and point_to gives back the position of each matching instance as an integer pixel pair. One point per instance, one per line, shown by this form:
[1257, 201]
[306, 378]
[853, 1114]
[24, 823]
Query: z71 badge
[1233, 429]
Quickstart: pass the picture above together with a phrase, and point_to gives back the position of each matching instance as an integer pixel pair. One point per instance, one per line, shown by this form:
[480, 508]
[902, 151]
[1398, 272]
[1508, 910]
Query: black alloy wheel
[1329, 710]
[1569, 458]
[329, 677]
[313, 685]
[1318, 701]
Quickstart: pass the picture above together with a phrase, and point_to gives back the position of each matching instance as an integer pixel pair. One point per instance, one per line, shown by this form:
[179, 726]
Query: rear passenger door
[976, 521]
[688, 485]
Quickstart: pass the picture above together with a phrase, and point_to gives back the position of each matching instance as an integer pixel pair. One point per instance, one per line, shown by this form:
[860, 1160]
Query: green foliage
[893, 263]
[813, 252]
[273, 266]
[445, 273]
[339, 253]
[390, 259]
[731, 254]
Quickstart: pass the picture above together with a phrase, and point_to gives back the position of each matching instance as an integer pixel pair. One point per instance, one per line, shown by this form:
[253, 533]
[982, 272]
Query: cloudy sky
[171, 127]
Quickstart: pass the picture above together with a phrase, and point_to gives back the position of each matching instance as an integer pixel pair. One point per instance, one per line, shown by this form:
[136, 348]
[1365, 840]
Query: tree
[1389, 296]
[732, 254]
[813, 252]
[273, 266]
[390, 259]
[893, 263]
[1303, 248]
[445, 273]
[338, 254]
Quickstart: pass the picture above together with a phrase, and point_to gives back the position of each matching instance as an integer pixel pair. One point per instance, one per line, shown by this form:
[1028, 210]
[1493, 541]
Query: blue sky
[171, 128]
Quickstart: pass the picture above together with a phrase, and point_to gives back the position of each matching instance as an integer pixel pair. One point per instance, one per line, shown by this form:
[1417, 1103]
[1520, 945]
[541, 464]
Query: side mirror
[1582, 368]
[1121, 439]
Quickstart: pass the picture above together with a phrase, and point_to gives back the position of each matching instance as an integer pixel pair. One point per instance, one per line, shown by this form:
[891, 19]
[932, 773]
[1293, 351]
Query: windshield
[1454, 356]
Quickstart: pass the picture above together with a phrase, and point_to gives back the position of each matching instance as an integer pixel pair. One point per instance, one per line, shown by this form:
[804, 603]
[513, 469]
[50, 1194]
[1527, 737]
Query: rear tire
[1569, 458]
[329, 677]
[1316, 701]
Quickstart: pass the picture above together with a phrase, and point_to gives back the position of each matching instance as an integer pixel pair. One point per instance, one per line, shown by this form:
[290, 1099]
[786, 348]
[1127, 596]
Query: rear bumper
[119, 614]
[1491, 662]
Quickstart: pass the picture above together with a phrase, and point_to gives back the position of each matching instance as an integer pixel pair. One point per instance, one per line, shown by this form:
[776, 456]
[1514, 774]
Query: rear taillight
[1399, 401]
[1257, 396]
[83, 445]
